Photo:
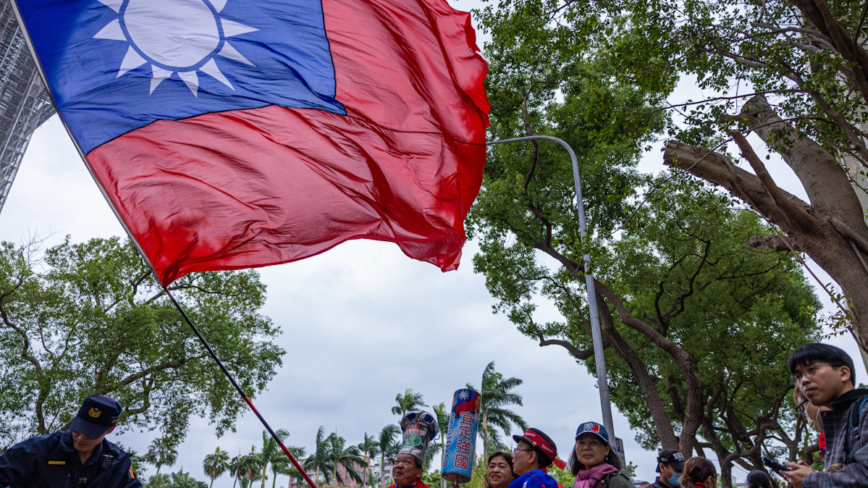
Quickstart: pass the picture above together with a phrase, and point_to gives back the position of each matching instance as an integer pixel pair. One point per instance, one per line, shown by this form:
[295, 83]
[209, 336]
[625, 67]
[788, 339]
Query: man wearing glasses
[826, 377]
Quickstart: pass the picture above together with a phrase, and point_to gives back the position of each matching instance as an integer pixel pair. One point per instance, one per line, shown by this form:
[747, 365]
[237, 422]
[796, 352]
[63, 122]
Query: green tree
[388, 447]
[159, 481]
[407, 402]
[320, 459]
[84, 319]
[282, 465]
[496, 394]
[442, 412]
[186, 480]
[161, 453]
[791, 72]
[368, 447]
[271, 452]
[689, 312]
[342, 455]
[249, 467]
[216, 464]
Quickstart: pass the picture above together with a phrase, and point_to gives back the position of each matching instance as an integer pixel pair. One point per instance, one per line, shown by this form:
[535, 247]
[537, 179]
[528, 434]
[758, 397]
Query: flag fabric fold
[251, 133]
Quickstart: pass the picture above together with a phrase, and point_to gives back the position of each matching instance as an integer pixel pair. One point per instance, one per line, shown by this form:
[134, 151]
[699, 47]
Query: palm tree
[270, 449]
[496, 394]
[184, 480]
[442, 415]
[369, 448]
[249, 467]
[159, 481]
[282, 465]
[341, 455]
[407, 402]
[387, 446]
[161, 453]
[216, 464]
[320, 459]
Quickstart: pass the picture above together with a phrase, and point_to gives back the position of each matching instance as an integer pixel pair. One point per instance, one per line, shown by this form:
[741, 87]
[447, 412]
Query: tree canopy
[84, 319]
[697, 325]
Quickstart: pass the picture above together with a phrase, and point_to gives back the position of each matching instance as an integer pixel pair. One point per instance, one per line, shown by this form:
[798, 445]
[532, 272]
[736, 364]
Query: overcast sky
[361, 323]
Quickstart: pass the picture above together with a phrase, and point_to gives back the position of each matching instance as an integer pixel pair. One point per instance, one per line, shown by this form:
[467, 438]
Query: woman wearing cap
[593, 461]
[699, 473]
[499, 473]
[535, 452]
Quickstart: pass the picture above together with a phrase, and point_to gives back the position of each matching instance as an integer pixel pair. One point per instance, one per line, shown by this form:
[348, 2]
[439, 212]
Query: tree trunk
[485, 437]
[659, 415]
[830, 229]
[212, 483]
[264, 469]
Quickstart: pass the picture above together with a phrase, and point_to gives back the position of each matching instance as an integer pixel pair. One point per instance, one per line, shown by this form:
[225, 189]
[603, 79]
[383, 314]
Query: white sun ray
[113, 4]
[218, 5]
[160, 74]
[132, 60]
[230, 52]
[210, 68]
[191, 80]
[111, 32]
[231, 28]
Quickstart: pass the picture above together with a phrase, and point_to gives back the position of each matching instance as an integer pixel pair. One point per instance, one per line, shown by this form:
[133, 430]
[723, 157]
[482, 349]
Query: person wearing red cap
[593, 462]
[534, 454]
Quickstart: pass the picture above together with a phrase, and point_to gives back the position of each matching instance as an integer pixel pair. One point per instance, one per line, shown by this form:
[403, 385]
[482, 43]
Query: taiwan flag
[230, 134]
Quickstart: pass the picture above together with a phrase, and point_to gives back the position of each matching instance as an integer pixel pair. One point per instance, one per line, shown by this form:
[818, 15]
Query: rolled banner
[461, 437]
[419, 428]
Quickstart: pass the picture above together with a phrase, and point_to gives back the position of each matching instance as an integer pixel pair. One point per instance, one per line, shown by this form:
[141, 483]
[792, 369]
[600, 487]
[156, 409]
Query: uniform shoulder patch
[132, 476]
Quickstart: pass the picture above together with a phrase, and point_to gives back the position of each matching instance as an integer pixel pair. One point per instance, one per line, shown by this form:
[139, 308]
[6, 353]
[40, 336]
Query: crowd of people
[825, 392]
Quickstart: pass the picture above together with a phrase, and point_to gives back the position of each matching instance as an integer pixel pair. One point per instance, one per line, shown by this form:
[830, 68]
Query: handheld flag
[229, 134]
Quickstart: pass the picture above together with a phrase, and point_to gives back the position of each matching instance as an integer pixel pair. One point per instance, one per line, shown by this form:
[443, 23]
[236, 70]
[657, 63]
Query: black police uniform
[657, 484]
[51, 461]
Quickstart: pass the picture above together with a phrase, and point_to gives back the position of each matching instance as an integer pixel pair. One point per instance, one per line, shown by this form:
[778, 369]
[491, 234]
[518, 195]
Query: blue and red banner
[461, 437]
[239, 133]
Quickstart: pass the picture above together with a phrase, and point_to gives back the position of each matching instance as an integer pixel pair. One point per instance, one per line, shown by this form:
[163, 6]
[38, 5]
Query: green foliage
[215, 464]
[407, 402]
[431, 479]
[672, 252]
[84, 319]
[497, 394]
[161, 453]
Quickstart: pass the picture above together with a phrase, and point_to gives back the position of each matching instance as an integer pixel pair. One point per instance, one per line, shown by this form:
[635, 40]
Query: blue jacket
[534, 479]
[51, 461]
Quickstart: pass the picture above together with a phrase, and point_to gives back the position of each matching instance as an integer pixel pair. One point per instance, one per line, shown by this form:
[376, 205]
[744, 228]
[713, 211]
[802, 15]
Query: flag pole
[602, 381]
[238, 388]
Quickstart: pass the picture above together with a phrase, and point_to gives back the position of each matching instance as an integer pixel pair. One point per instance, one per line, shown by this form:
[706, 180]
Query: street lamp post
[605, 401]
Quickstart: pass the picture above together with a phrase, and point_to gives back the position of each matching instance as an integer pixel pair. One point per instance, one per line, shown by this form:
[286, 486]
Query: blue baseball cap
[96, 416]
[593, 428]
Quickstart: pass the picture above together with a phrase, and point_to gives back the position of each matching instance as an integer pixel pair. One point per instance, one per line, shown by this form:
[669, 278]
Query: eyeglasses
[522, 450]
[809, 371]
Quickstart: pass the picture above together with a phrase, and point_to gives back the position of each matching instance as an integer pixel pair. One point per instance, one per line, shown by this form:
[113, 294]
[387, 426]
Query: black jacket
[51, 461]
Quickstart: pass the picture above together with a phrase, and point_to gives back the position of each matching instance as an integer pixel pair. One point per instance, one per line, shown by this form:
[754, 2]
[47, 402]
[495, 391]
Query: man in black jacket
[826, 377]
[670, 465]
[76, 458]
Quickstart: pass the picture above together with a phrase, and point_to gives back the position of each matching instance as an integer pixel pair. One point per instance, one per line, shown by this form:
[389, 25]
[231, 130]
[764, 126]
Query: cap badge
[94, 412]
[595, 428]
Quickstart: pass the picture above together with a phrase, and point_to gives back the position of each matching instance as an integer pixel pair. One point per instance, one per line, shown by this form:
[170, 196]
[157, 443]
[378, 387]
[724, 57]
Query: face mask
[675, 479]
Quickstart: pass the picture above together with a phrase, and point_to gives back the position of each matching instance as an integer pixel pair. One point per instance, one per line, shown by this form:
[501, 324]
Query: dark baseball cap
[671, 457]
[96, 416]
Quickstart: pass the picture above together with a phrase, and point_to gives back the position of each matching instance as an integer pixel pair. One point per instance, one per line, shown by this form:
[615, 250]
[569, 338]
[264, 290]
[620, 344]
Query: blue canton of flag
[118, 65]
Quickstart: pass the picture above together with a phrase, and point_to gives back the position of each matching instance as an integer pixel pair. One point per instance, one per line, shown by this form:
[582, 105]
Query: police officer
[76, 458]
[670, 465]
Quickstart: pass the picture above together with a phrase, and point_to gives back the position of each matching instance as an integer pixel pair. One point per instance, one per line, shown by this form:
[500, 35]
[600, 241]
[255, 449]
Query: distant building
[24, 101]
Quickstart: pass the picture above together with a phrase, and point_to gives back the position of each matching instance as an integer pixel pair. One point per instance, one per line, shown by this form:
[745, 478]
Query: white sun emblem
[463, 395]
[176, 34]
